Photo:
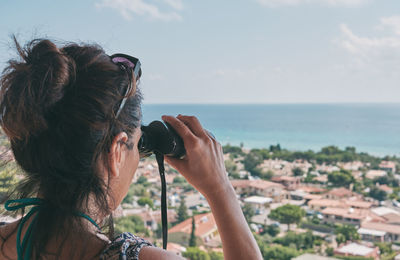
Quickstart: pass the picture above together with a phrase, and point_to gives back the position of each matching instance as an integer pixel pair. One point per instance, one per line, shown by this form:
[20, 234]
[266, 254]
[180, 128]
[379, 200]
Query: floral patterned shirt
[124, 247]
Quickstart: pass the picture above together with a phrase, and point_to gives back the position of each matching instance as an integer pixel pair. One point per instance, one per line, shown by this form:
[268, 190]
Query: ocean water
[372, 128]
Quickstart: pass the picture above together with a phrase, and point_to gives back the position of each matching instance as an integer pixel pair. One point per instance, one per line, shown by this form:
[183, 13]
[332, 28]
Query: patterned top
[124, 247]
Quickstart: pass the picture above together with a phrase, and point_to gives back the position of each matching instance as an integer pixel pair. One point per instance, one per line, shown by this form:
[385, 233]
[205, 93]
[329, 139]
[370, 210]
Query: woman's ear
[117, 153]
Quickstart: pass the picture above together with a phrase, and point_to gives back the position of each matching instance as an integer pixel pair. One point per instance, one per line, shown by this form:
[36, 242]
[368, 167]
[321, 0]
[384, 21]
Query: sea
[371, 128]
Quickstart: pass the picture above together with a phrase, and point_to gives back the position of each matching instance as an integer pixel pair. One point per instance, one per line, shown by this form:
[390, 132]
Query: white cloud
[346, 3]
[128, 8]
[392, 22]
[176, 4]
[370, 47]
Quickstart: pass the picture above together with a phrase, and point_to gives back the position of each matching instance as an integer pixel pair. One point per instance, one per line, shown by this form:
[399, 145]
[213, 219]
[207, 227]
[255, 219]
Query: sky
[237, 51]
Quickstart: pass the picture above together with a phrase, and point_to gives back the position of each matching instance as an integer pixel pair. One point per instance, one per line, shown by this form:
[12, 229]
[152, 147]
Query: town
[331, 204]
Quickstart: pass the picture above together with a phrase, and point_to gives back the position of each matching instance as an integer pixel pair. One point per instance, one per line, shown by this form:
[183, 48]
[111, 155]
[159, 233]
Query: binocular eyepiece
[159, 137]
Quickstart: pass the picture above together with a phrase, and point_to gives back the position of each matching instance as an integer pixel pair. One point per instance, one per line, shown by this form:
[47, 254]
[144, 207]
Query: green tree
[179, 179]
[377, 194]
[329, 251]
[192, 240]
[251, 161]
[248, 212]
[216, 255]
[345, 233]
[279, 252]
[272, 230]
[194, 253]
[298, 171]
[340, 178]
[230, 167]
[182, 211]
[141, 180]
[133, 224]
[145, 200]
[287, 214]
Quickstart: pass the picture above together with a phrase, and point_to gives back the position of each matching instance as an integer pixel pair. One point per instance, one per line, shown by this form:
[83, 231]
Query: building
[290, 182]
[392, 232]
[258, 203]
[206, 228]
[388, 166]
[371, 235]
[349, 216]
[355, 249]
[339, 193]
[259, 187]
[372, 174]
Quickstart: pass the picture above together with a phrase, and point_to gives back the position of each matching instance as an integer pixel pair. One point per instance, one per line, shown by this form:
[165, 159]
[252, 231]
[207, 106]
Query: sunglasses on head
[130, 64]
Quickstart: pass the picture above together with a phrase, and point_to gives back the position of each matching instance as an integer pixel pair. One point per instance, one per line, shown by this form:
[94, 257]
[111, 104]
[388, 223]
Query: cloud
[392, 22]
[374, 53]
[176, 4]
[346, 3]
[128, 8]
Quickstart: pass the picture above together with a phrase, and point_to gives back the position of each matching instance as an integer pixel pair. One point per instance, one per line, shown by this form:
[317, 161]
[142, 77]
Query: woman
[72, 116]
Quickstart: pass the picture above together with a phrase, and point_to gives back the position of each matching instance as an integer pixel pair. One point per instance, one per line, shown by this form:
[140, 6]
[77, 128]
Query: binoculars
[159, 137]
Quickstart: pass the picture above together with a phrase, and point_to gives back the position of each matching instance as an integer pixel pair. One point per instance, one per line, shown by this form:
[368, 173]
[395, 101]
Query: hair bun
[37, 82]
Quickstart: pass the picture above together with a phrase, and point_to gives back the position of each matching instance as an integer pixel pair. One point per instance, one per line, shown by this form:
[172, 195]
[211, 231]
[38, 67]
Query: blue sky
[254, 51]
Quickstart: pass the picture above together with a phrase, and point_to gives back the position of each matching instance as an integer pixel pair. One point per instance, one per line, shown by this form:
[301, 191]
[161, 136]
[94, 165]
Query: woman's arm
[203, 167]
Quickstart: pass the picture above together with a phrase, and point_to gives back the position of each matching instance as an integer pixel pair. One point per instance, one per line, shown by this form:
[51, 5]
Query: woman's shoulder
[124, 246]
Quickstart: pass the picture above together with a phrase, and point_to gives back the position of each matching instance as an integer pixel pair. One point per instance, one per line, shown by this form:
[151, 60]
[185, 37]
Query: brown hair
[58, 109]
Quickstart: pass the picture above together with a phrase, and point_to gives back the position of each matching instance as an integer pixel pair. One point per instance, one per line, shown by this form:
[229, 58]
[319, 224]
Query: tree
[141, 180]
[279, 252]
[133, 224]
[287, 214]
[216, 255]
[340, 178]
[145, 200]
[230, 167]
[179, 179]
[251, 161]
[377, 194]
[182, 211]
[248, 212]
[194, 253]
[298, 171]
[272, 230]
[192, 240]
[345, 233]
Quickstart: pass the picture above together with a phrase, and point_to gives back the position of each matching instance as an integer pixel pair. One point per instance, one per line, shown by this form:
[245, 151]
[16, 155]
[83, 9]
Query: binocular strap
[164, 219]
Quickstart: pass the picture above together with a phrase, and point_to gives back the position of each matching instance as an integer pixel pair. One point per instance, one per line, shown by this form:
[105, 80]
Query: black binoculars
[159, 137]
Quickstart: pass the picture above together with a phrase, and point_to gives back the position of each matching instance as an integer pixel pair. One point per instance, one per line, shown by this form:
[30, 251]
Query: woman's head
[59, 110]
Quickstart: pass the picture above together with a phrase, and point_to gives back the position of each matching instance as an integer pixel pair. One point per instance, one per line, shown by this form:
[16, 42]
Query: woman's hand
[203, 165]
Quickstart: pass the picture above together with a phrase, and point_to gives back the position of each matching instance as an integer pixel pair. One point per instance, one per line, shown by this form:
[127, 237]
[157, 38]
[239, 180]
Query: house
[385, 188]
[290, 182]
[355, 249]
[206, 227]
[388, 166]
[392, 232]
[354, 202]
[339, 193]
[259, 187]
[372, 174]
[349, 216]
[372, 235]
[258, 203]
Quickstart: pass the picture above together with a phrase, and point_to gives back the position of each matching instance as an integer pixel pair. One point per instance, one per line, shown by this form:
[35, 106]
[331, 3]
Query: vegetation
[248, 212]
[377, 194]
[340, 178]
[346, 233]
[133, 224]
[194, 253]
[182, 211]
[145, 201]
[299, 241]
[192, 240]
[287, 214]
